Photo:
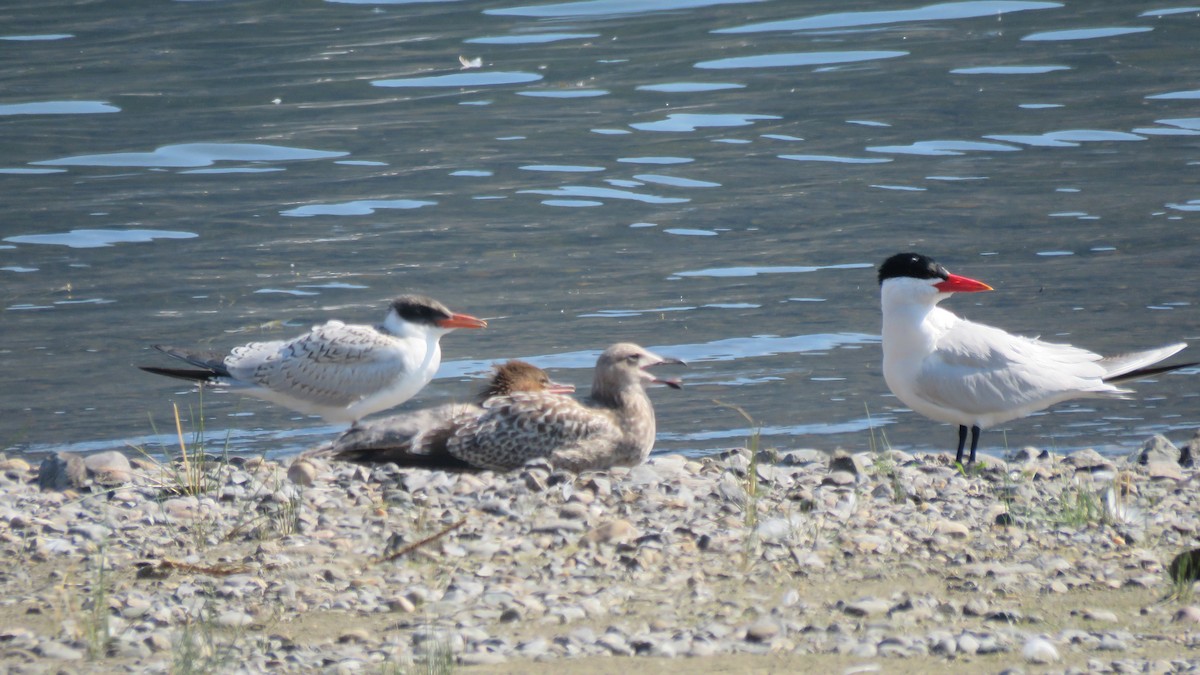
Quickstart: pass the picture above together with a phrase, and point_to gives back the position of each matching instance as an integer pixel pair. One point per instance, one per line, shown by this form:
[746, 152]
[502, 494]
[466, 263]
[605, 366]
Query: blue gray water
[715, 180]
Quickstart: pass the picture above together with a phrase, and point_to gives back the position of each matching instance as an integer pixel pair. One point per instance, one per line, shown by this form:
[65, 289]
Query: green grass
[750, 486]
[190, 472]
[198, 650]
[95, 621]
[1080, 507]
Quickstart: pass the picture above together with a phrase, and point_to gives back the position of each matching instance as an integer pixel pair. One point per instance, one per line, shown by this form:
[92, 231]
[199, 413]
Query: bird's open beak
[957, 284]
[462, 321]
[672, 383]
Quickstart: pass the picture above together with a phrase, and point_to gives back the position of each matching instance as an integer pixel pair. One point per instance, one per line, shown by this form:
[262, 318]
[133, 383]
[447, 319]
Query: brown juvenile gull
[339, 371]
[614, 426]
[418, 438]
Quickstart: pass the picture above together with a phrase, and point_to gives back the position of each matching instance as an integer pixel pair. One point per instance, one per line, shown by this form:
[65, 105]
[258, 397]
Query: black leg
[962, 440]
[974, 440]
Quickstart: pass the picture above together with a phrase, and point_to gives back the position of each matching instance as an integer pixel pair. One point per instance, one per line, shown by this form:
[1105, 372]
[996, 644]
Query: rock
[234, 619]
[573, 511]
[357, 636]
[1028, 454]
[843, 461]
[1090, 460]
[613, 532]
[109, 468]
[1040, 650]
[1155, 449]
[57, 650]
[1189, 615]
[14, 464]
[762, 631]
[838, 478]
[968, 644]
[62, 471]
[867, 607]
[802, 457]
[1105, 615]
[302, 472]
[951, 528]
[1189, 451]
[1164, 471]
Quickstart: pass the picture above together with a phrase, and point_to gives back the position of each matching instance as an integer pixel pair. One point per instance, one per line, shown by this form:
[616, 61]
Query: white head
[625, 364]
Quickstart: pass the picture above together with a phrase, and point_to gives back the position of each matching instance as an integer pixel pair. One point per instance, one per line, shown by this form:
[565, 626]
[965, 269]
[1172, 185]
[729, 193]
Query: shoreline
[784, 560]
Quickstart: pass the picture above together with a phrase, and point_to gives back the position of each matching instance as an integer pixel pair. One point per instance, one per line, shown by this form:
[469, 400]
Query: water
[715, 180]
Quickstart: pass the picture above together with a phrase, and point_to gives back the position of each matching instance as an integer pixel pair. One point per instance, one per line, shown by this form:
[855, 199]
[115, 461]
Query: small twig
[166, 564]
[418, 544]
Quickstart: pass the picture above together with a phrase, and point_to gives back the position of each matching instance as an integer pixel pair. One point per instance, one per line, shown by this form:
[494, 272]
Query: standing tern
[614, 426]
[418, 438]
[342, 372]
[953, 370]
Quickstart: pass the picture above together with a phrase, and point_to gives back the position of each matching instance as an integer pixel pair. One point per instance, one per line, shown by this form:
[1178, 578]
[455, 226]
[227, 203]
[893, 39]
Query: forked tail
[1137, 365]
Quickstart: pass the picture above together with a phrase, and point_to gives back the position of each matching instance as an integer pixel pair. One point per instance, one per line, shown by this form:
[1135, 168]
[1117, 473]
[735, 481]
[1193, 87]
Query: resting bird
[419, 438]
[961, 372]
[613, 427]
[339, 371]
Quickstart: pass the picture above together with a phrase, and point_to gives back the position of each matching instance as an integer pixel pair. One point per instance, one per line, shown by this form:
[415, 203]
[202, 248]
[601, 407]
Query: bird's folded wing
[985, 370]
[334, 365]
[525, 425]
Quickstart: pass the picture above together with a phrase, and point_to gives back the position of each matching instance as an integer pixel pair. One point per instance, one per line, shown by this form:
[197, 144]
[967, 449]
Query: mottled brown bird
[419, 438]
[615, 426]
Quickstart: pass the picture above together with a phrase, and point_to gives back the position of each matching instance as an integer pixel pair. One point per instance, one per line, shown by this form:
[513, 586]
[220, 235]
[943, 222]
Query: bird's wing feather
[404, 430]
[982, 370]
[1121, 364]
[525, 425]
[334, 365]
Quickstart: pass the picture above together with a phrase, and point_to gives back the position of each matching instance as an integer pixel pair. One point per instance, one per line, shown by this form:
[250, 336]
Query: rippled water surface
[715, 180]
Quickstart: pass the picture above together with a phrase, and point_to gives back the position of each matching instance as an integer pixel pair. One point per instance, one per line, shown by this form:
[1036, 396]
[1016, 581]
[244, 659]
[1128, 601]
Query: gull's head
[628, 363]
[919, 278]
[409, 313]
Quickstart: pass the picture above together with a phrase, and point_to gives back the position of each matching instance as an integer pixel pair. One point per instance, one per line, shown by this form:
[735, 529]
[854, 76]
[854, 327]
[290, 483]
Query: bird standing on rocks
[419, 438]
[342, 372]
[953, 370]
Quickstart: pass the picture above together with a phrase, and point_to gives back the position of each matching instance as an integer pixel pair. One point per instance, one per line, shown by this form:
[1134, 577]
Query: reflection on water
[713, 179]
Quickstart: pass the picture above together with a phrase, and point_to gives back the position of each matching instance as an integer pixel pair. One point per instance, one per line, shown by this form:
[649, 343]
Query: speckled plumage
[339, 371]
[418, 438]
[615, 426]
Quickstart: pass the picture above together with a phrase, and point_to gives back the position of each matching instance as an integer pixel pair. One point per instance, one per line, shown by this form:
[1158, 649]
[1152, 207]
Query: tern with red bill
[957, 371]
[342, 372]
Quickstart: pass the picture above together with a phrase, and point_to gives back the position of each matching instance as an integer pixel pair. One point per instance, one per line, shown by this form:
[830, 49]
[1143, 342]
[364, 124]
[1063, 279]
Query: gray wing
[334, 365]
[982, 370]
[526, 425]
[406, 431]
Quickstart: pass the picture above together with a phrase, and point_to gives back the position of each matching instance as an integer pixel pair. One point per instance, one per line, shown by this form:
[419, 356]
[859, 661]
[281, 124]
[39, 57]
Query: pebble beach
[778, 560]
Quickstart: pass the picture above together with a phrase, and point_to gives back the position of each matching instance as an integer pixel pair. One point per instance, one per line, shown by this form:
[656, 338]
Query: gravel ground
[788, 560]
